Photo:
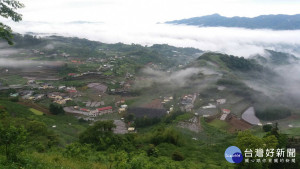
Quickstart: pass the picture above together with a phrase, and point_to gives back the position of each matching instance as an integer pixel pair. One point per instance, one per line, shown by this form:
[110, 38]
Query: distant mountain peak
[275, 22]
[215, 14]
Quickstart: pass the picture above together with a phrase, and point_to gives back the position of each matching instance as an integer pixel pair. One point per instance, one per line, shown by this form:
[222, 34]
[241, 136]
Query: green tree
[129, 117]
[140, 161]
[117, 160]
[37, 128]
[177, 156]
[267, 128]
[56, 109]
[152, 151]
[8, 10]
[77, 150]
[282, 138]
[166, 135]
[53, 139]
[246, 140]
[100, 135]
[12, 140]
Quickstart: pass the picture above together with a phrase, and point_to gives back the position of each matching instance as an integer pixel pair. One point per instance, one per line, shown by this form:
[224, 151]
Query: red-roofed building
[75, 61]
[100, 111]
[72, 91]
[226, 111]
[86, 110]
[71, 74]
[104, 110]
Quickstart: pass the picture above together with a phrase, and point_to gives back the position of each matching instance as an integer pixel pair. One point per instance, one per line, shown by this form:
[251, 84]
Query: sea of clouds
[235, 41]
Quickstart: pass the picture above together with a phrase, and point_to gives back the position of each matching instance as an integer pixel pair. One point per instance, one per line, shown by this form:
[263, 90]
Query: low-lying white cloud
[13, 63]
[236, 41]
[179, 78]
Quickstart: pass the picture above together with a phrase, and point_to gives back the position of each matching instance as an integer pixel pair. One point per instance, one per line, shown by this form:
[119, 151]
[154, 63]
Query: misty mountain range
[276, 58]
[275, 22]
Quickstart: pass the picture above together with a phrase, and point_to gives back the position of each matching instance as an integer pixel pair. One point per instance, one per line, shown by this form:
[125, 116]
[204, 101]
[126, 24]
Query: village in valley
[151, 98]
[106, 85]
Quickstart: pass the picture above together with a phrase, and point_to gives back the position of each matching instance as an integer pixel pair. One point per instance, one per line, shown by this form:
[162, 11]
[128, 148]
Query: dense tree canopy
[56, 109]
[273, 113]
[100, 134]
[12, 140]
[8, 10]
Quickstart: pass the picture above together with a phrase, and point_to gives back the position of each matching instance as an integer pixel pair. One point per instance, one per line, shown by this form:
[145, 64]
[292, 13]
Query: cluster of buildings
[123, 89]
[38, 52]
[224, 112]
[187, 102]
[46, 86]
[65, 54]
[212, 106]
[76, 61]
[101, 111]
[221, 101]
[59, 98]
[123, 108]
[129, 75]
[122, 101]
[167, 99]
[35, 51]
[96, 112]
[39, 85]
[82, 74]
[69, 89]
[28, 95]
[106, 67]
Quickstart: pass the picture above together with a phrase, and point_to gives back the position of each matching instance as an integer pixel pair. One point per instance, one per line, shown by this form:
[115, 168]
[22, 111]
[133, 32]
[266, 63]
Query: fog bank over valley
[235, 41]
[13, 63]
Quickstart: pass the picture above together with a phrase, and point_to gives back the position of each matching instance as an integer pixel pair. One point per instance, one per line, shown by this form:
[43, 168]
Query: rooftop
[104, 108]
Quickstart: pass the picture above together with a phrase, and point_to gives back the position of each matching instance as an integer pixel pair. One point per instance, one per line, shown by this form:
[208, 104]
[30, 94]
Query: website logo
[233, 154]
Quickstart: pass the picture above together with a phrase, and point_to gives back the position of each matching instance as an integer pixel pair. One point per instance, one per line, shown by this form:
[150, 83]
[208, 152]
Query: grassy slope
[67, 126]
[36, 112]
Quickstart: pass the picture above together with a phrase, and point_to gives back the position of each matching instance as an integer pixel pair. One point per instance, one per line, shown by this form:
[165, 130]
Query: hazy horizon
[135, 21]
[235, 41]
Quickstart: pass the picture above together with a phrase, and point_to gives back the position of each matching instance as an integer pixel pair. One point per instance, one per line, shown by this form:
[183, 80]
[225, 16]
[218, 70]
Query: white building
[221, 101]
[209, 106]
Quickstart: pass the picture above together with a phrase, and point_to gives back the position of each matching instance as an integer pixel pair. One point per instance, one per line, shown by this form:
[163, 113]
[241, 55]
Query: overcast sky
[137, 11]
[134, 21]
